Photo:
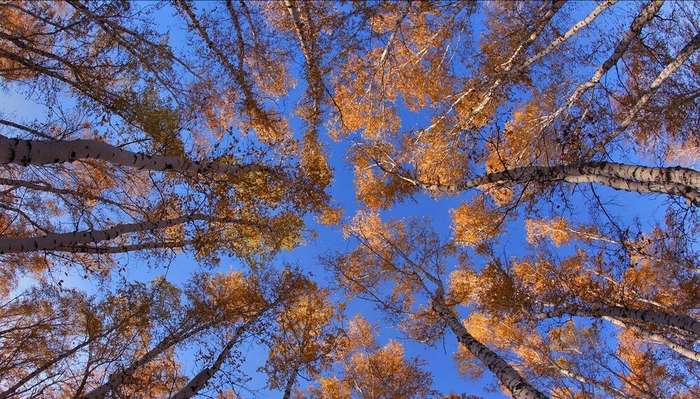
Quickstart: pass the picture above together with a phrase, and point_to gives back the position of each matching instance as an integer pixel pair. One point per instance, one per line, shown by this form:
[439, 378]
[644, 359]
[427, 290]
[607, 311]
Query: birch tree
[304, 341]
[386, 254]
[556, 138]
[373, 371]
[76, 334]
[110, 163]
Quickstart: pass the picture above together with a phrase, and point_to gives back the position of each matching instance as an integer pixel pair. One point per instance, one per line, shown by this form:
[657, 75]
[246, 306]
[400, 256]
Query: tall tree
[561, 134]
[372, 371]
[410, 258]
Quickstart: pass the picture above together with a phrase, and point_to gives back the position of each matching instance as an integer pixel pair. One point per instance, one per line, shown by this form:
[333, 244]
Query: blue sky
[438, 358]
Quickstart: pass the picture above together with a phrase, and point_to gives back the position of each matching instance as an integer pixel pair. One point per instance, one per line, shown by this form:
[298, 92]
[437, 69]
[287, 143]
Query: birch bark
[117, 378]
[506, 374]
[669, 180]
[609, 388]
[46, 152]
[65, 241]
[663, 319]
[202, 378]
[683, 322]
[615, 316]
[645, 15]
[658, 339]
[572, 31]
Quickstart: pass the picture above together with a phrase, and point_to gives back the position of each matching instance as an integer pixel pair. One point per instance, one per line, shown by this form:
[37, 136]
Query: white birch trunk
[556, 5]
[291, 8]
[644, 16]
[46, 152]
[657, 339]
[614, 316]
[63, 241]
[669, 180]
[508, 65]
[117, 378]
[609, 388]
[662, 319]
[202, 378]
[40, 370]
[507, 375]
[626, 185]
[572, 31]
[682, 322]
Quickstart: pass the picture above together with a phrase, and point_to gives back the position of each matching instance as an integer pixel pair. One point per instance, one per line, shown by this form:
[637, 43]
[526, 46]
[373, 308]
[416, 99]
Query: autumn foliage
[314, 199]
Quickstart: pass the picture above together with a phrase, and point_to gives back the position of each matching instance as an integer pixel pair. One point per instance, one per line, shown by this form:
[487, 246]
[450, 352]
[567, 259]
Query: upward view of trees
[525, 196]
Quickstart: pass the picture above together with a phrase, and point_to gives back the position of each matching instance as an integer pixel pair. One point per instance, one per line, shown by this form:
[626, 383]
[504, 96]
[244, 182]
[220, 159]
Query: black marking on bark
[25, 161]
[13, 154]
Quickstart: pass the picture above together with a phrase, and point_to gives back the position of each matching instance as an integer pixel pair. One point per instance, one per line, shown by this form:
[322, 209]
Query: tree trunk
[202, 378]
[298, 24]
[658, 339]
[507, 375]
[682, 322]
[614, 314]
[11, 390]
[117, 378]
[65, 241]
[45, 152]
[290, 383]
[574, 29]
[667, 180]
[644, 16]
[118, 249]
[609, 388]
[509, 65]
[662, 319]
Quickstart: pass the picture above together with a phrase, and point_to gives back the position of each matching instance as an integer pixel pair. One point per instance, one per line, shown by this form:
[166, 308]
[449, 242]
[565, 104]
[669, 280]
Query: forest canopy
[305, 199]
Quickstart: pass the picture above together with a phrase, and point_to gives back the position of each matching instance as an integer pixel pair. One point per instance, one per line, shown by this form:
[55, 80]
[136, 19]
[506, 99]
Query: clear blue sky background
[438, 358]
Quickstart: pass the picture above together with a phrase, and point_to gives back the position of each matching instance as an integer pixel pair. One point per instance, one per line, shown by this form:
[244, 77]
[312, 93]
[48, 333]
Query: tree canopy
[350, 199]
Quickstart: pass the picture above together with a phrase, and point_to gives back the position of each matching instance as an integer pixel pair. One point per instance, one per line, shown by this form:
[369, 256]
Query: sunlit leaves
[523, 141]
[233, 295]
[20, 24]
[463, 284]
[646, 374]
[438, 97]
[304, 339]
[492, 330]
[438, 160]
[331, 216]
[373, 371]
[556, 229]
[475, 222]
[408, 64]
[158, 120]
[313, 161]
